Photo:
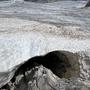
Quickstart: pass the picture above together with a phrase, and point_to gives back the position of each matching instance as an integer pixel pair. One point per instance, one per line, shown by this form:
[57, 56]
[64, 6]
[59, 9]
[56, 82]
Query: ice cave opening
[63, 64]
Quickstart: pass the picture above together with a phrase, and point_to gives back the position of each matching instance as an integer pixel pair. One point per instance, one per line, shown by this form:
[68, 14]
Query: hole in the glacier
[64, 64]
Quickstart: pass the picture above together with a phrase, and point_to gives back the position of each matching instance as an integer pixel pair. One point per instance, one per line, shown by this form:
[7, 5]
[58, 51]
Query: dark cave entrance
[64, 64]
